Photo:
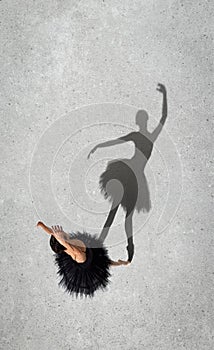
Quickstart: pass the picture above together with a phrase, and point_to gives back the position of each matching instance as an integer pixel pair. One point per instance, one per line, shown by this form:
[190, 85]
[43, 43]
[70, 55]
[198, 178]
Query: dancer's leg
[129, 234]
[109, 221]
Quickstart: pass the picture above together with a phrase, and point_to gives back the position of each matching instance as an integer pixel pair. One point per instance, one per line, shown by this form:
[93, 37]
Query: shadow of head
[142, 119]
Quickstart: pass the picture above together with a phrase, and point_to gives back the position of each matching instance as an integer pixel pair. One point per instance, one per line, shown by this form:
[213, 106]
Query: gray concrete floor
[73, 73]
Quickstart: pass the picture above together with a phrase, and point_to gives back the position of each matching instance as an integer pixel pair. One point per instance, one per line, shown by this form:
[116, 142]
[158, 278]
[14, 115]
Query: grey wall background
[61, 55]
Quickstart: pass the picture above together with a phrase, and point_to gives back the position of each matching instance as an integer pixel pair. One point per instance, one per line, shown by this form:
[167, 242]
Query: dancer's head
[142, 119]
[56, 246]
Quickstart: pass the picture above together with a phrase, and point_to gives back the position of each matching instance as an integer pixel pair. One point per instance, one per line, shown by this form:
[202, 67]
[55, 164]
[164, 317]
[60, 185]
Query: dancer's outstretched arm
[63, 238]
[74, 247]
[158, 129]
[57, 233]
[114, 142]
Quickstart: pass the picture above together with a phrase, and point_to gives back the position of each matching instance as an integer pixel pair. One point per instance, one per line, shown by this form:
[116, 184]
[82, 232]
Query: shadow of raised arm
[157, 130]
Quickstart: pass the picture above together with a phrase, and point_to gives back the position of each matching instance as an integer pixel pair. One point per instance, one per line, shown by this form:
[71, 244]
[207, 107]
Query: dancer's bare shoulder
[77, 243]
[77, 253]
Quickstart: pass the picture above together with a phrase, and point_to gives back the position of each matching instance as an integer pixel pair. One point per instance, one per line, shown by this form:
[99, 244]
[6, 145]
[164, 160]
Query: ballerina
[82, 260]
[124, 182]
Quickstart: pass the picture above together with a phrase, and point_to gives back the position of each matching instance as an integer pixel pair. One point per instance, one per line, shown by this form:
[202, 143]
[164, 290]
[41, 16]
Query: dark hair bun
[56, 246]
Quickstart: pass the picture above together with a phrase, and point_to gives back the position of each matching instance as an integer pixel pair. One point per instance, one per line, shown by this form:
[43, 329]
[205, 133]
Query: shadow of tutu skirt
[130, 188]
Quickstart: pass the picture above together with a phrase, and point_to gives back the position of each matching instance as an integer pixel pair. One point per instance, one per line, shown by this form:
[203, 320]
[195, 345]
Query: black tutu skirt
[83, 279]
[130, 188]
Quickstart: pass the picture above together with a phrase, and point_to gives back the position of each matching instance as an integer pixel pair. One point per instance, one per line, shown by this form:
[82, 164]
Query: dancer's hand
[92, 151]
[161, 88]
[39, 223]
[44, 227]
[57, 230]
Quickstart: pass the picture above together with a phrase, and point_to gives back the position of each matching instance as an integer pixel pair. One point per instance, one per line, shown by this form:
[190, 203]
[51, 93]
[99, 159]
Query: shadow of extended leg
[109, 221]
[129, 234]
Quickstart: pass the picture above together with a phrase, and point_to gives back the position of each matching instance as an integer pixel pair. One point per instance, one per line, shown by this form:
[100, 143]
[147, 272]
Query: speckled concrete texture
[75, 72]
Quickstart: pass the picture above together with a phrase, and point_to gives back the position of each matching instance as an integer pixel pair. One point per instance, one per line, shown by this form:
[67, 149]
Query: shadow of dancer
[124, 181]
